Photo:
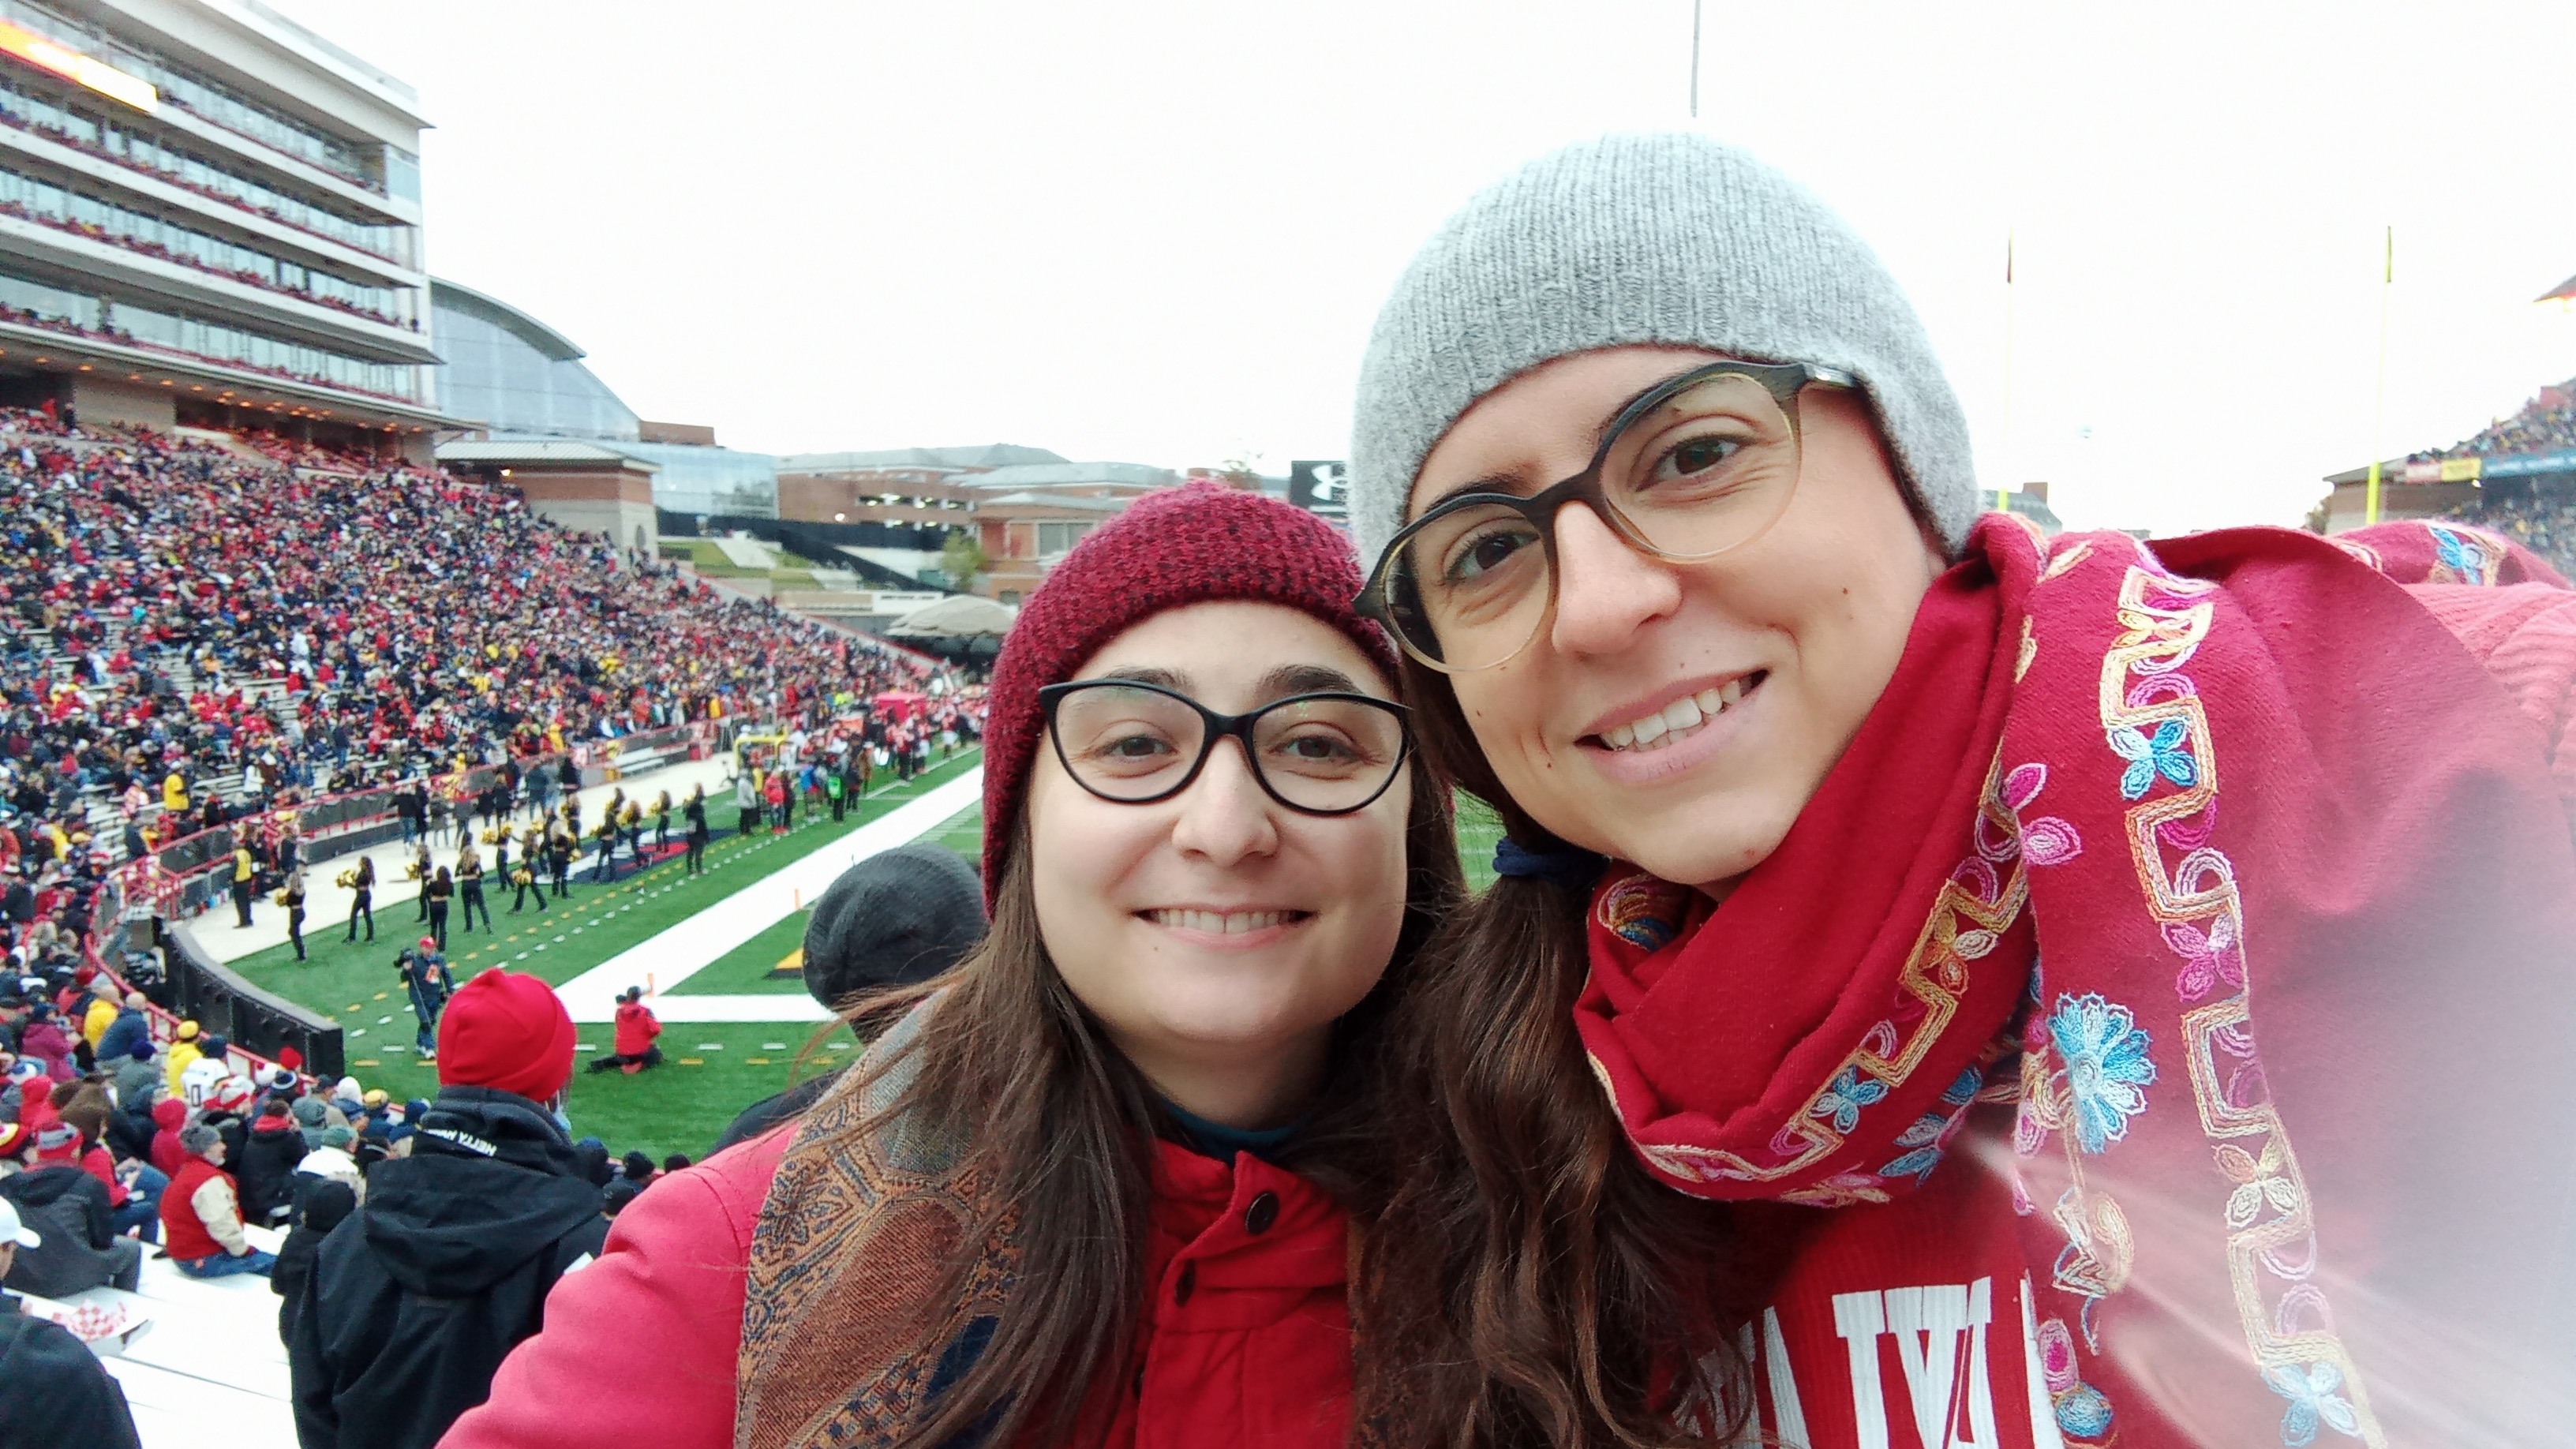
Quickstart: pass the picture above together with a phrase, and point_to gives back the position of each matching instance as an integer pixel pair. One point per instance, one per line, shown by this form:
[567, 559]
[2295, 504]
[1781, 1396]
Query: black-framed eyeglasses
[1697, 465]
[1136, 743]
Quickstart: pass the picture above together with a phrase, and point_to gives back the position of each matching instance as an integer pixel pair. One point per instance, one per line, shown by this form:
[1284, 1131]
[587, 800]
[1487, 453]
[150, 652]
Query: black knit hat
[898, 917]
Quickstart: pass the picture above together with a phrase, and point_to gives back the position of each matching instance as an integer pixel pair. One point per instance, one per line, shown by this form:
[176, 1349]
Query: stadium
[357, 639]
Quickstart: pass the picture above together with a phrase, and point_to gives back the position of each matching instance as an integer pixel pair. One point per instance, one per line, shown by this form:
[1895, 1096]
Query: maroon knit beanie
[1190, 545]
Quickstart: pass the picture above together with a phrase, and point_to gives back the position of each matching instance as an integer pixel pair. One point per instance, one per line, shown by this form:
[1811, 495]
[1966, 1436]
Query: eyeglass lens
[1315, 753]
[1708, 469]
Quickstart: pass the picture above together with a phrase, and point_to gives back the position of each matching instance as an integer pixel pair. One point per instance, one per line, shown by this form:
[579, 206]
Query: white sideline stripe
[688, 947]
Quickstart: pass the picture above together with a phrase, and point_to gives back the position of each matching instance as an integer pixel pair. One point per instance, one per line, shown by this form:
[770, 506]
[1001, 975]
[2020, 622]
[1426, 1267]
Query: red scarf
[2111, 796]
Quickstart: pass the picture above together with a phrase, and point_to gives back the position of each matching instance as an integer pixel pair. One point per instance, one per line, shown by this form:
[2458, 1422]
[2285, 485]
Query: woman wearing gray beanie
[1742, 1104]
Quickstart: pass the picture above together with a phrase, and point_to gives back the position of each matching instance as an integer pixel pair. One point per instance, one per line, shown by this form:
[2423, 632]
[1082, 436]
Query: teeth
[1677, 720]
[1236, 924]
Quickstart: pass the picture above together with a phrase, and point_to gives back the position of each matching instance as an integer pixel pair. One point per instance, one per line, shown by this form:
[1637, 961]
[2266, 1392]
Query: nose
[1605, 590]
[1226, 817]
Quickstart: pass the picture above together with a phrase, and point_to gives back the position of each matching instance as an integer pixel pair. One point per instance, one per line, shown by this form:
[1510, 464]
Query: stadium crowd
[115, 1147]
[2546, 424]
[174, 614]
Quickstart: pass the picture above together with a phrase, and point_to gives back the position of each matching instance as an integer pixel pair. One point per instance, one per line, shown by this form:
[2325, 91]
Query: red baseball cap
[507, 1031]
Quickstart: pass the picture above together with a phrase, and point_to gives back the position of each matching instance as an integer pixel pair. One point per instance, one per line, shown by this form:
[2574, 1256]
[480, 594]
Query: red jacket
[636, 1028]
[183, 1234]
[170, 1114]
[1246, 1338]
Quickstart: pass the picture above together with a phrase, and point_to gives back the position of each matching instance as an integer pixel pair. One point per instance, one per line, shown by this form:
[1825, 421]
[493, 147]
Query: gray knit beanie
[196, 1139]
[1668, 238]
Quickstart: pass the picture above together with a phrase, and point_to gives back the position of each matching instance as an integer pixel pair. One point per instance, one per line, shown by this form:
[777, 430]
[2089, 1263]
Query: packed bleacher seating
[277, 631]
[2545, 424]
[2539, 518]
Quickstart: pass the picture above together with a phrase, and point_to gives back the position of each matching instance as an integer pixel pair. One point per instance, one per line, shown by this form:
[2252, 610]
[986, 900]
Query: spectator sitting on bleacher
[269, 1157]
[42, 1180]
[184, 1049]
[319, 1207]
[169, 1117]
[487, 1212]
[30, 1098]
[201, 1222]
[137, 1085]
[53, 1391]
[331, 1162]
[130, 1028]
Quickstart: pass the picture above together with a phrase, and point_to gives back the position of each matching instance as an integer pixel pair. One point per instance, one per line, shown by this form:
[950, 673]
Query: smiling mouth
[1215, 923]
[1680, 719]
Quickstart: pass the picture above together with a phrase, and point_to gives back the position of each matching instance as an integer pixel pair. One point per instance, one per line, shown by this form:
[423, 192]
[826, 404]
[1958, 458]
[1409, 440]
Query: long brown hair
[1062, 1125]
[1526, 1282]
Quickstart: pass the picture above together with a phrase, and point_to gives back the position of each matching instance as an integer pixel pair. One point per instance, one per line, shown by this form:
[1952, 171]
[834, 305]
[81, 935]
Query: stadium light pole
[1694, 94]
[2379, 407]
[2003, 485]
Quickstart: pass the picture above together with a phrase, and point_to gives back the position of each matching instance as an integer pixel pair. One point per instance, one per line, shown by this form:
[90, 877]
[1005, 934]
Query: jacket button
[1189, 1283]
[1264, 1211]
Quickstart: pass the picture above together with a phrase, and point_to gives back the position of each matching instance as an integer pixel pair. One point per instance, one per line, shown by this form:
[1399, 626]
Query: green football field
[711, 1070]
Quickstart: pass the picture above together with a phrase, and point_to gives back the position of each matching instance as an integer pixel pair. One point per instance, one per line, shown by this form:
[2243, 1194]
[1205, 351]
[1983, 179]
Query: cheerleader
[662, 822]
[605, 838]
[362, 895]
[469, 888]
[291, 896]
[525, 878]
[696, 814]
[421, 869]
[631, 824]
[434, 895]
[560, 846]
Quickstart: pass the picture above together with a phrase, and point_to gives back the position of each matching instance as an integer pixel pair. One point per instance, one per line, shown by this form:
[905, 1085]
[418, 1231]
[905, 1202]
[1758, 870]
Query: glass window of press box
[25, 300]
[380, 168]
[79, 212]
[28, 102]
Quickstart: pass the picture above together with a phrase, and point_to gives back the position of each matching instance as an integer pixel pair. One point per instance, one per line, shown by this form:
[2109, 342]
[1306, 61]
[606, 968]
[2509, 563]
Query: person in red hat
[1090, 1188]
[459, 1242]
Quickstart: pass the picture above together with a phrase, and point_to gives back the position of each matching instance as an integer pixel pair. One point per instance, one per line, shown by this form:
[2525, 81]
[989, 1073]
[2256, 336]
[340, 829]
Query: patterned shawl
[2192, 850]
[847, 1255]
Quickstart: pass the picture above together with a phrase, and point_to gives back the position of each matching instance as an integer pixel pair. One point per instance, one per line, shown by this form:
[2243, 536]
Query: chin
[1684, 846]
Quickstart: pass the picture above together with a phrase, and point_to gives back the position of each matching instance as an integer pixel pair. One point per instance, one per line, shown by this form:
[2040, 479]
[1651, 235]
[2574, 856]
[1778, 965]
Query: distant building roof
[1081, 501]
[990, 455]
[535, 333]
[536, 451]
[1061, 474]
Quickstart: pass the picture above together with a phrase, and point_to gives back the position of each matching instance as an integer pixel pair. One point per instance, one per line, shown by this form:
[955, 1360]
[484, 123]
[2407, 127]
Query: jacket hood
[38, 1186]
[170, 1113]
[491, 1183]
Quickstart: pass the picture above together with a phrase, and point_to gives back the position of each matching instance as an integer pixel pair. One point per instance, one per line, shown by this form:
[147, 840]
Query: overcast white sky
[1158, 232]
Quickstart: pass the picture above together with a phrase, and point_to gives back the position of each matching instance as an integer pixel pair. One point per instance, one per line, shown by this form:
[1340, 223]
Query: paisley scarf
[2233, 868]
[849, 1250]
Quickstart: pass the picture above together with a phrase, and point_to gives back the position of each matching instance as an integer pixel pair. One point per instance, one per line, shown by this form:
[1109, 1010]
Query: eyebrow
[1506, 483]
[1290, 679]
[1149, 674]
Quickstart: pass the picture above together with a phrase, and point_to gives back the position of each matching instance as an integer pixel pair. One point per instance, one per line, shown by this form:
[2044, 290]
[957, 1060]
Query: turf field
[676, 1108]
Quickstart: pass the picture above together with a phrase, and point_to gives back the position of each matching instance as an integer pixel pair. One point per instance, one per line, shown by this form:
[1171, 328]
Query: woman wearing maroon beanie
[1089, 1186]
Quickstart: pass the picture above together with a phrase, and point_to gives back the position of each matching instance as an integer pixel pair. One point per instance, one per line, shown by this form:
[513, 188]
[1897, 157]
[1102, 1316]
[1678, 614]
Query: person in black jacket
[53, 1391]
[264, 1173]
[414, 1299]
[319, 1207]
[898, 917]
[69, 1209]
